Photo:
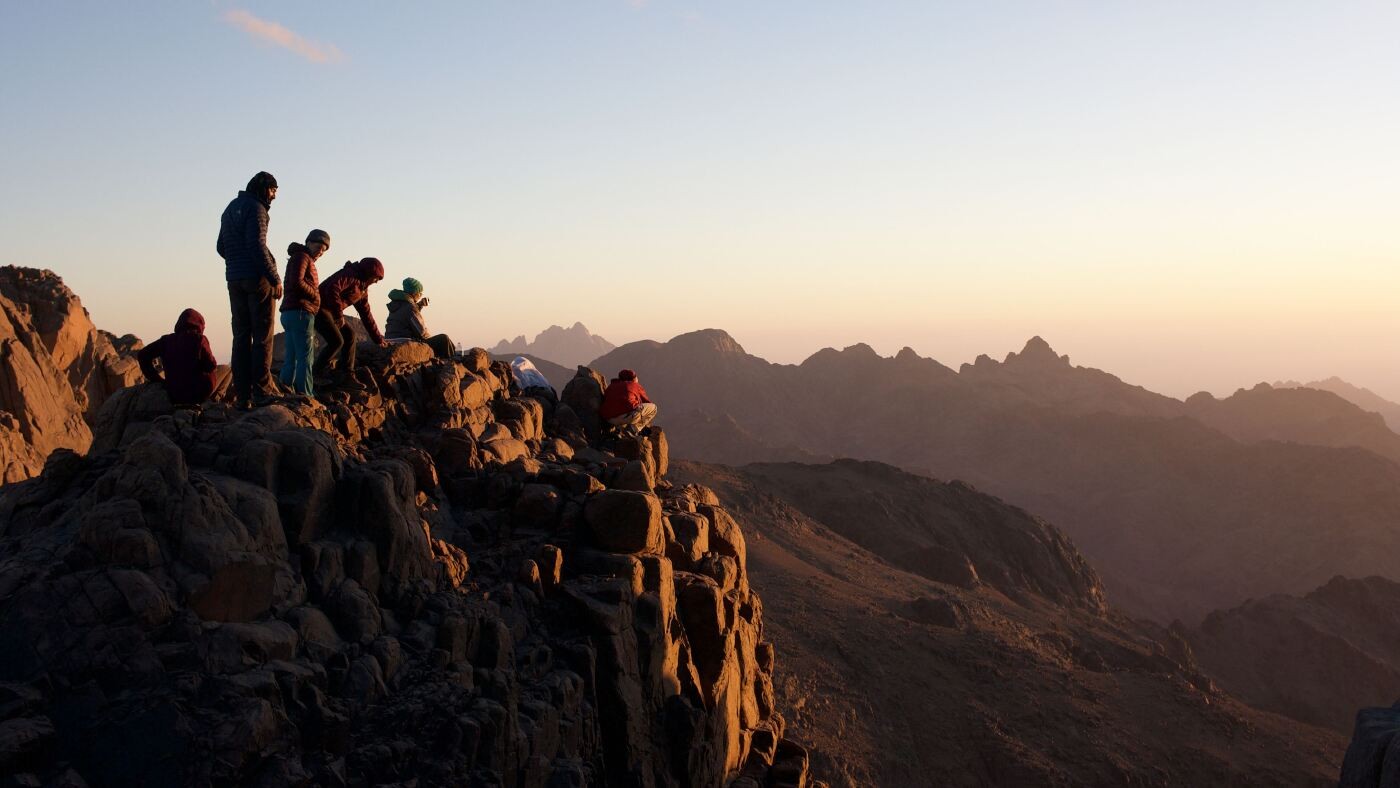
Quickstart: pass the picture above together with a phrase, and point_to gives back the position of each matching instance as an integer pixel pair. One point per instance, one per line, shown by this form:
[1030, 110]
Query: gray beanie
[319, 235]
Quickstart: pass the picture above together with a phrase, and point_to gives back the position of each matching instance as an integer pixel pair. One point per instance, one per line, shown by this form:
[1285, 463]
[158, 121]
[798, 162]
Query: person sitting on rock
[347, 287]
[300, 306]
[405, 321]
[625, 404]
[186, 359]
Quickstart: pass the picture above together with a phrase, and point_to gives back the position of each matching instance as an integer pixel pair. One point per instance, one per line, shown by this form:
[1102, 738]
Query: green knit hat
[412, 286]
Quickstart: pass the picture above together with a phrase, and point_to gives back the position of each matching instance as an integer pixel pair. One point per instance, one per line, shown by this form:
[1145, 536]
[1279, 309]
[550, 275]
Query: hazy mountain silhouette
[934, 635]
[568, 347]
[1178, 516]
[1299, 415]
[1363, 398]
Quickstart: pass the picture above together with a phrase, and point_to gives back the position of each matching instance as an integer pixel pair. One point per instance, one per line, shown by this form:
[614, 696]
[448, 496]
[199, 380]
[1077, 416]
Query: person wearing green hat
[405, 321]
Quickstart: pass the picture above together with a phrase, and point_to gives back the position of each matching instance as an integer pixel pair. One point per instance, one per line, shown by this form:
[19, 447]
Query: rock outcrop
[432, 582]
[56, 370]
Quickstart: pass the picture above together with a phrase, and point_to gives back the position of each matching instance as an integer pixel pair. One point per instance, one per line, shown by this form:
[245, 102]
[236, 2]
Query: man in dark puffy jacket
[625, 404]
[347, 287]
[185, 358]
[253, 286]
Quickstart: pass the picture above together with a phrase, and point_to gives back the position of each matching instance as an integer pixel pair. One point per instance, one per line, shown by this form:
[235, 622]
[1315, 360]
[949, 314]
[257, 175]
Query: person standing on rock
[625, 404]
[347, 287]
[300, 306]
[186, 359]
[253, 287]
[405, 319]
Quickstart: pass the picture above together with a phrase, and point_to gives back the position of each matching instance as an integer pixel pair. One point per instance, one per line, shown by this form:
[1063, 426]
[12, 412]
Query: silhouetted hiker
[531, 381]
[253, 286]
[347, 287]
[185, 358]
[625, 404]
[405, 319]
[299, 308]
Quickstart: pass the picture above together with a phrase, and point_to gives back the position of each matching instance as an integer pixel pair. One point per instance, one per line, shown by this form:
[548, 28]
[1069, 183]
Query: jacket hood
[399, 304]
[626, 374]
[190, 322]
[294, 247]
[367, 269]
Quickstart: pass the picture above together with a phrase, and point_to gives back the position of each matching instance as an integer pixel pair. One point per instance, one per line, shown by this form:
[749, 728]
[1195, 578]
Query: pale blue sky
[1189, 194]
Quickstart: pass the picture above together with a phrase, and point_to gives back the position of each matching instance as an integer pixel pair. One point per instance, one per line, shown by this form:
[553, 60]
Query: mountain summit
[568, 346]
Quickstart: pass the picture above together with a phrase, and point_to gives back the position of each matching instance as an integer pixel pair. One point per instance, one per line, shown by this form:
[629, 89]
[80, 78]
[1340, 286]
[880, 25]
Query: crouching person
[347, 287]
[405, 321]
[185, 358]
[625, 404]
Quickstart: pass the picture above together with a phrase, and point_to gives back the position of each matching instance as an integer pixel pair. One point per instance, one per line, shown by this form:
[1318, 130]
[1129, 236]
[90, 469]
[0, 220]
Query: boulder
[583, 394]
[623, 521]
[688, 537]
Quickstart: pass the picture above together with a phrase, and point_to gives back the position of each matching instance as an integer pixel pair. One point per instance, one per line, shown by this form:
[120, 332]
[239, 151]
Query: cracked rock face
[433, 580]
[56, 370]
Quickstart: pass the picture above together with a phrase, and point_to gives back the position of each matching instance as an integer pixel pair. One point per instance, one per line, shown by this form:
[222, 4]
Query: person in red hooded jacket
[186, 359]
[347, 287]
[625, 404]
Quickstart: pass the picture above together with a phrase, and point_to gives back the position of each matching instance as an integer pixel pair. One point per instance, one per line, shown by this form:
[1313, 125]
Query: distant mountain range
[1183, 507]
[568, 347]
[1361, 397]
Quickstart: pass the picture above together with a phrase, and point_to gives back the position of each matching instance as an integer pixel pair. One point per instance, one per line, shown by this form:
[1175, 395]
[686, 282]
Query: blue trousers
[296, 355]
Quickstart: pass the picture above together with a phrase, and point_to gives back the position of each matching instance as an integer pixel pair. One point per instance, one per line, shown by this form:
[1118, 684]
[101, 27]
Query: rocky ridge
[1008, 670]
[433, 582]
[56, 370]
[1316, 658]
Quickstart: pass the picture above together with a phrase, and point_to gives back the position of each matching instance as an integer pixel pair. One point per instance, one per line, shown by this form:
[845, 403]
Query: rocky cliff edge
[433, 582]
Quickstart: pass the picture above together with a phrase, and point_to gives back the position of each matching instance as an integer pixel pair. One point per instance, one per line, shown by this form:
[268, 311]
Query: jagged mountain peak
[567, 347]
[1039, 351]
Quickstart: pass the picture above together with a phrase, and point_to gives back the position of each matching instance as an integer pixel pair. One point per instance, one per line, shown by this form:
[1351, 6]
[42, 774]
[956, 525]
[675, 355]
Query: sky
[1191, 195]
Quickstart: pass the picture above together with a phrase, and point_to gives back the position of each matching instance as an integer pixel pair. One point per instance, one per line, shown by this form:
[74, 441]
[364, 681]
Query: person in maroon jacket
[347, 287]
[186, 359]
[625, 404]
[300, 305]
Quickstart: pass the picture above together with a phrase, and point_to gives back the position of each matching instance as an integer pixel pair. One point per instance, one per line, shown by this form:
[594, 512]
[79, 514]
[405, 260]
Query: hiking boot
[350, 383]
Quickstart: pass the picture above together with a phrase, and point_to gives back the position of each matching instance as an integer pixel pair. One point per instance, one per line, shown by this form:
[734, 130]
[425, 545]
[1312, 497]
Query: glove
[423, 303]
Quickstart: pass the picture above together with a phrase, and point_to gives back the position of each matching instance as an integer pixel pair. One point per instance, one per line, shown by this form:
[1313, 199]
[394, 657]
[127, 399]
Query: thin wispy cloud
[277, 35]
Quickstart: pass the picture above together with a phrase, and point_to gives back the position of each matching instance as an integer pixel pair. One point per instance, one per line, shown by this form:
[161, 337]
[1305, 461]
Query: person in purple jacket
[185, 358]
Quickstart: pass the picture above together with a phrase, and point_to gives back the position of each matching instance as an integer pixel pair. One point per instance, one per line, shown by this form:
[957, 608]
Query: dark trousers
[253, 307]
[338, 340]
[442, 345]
